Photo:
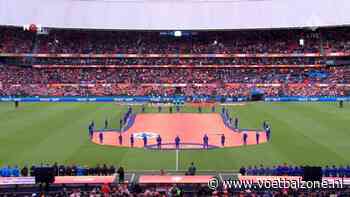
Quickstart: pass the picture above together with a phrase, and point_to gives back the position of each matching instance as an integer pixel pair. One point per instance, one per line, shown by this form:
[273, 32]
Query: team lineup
[145, 130]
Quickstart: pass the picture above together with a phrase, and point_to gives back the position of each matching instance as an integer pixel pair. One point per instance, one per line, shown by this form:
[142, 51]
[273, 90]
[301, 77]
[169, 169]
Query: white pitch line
[177, 160]
[132, 178]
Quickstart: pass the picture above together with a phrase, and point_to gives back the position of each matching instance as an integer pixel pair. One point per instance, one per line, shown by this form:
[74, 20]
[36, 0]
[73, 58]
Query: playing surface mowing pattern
[302, 133]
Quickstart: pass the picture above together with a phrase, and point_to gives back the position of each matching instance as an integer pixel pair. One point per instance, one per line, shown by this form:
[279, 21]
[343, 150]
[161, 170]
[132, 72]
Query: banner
[173, 99]
[174, 66]
[154, 179]
[124, 99]
[83, 179]
[307, 99]
[17, 180]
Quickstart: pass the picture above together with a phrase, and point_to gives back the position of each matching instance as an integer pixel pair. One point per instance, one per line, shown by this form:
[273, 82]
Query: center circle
[148, 135]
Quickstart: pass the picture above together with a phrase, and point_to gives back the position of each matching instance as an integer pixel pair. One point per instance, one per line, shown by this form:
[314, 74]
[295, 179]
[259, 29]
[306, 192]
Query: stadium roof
[175, 14]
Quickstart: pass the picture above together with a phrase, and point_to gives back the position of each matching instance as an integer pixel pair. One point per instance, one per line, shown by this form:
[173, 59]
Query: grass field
[302, 133]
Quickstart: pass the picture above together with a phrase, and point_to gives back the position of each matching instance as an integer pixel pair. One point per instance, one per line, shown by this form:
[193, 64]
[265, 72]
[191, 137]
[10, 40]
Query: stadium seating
[272, 61]
[17, 80]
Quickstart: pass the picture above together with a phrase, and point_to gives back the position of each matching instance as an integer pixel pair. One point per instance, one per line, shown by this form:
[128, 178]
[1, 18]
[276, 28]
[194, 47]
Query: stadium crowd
[15, 40]
[105, 170]
[28, 81]
[105, 42]
[28, 75]
[176, 61]
[336, 40]
[177, 191]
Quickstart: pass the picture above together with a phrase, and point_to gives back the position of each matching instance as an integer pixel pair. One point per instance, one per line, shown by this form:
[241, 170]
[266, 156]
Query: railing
[232, 55]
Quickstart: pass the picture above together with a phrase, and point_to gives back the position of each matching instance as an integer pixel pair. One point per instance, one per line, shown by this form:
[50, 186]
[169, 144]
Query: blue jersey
[79, 171]
[325, 171]
[254, 171]
[144, 140]
[5, 172]
[245, 137]
[341, 171]
[15, 172]
[205, 139]
[177, 140]
[159, 140]
[347, 171]
[223, 139]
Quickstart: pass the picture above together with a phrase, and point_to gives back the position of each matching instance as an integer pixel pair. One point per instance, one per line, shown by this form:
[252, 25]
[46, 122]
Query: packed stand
[28, 81]
[70, 41]
[179, 191]
[29, 75]
[336, 40]
[80, 62]
[15, 40]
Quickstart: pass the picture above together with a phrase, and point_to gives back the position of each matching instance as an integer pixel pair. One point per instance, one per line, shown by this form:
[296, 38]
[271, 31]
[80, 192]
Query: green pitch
[302, 133]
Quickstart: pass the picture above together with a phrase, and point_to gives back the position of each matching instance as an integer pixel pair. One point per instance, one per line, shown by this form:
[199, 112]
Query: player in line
[245, 138]
[177, 142]
[132, 140]
[205, 142]
[223, 139]
[159, 142]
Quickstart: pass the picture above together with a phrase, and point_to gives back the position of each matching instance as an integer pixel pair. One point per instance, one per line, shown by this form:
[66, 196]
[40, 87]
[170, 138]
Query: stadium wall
[175, 14]
[173, 99]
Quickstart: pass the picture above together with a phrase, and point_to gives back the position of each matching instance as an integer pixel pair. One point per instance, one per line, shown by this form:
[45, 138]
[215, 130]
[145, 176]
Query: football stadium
[141, 98]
